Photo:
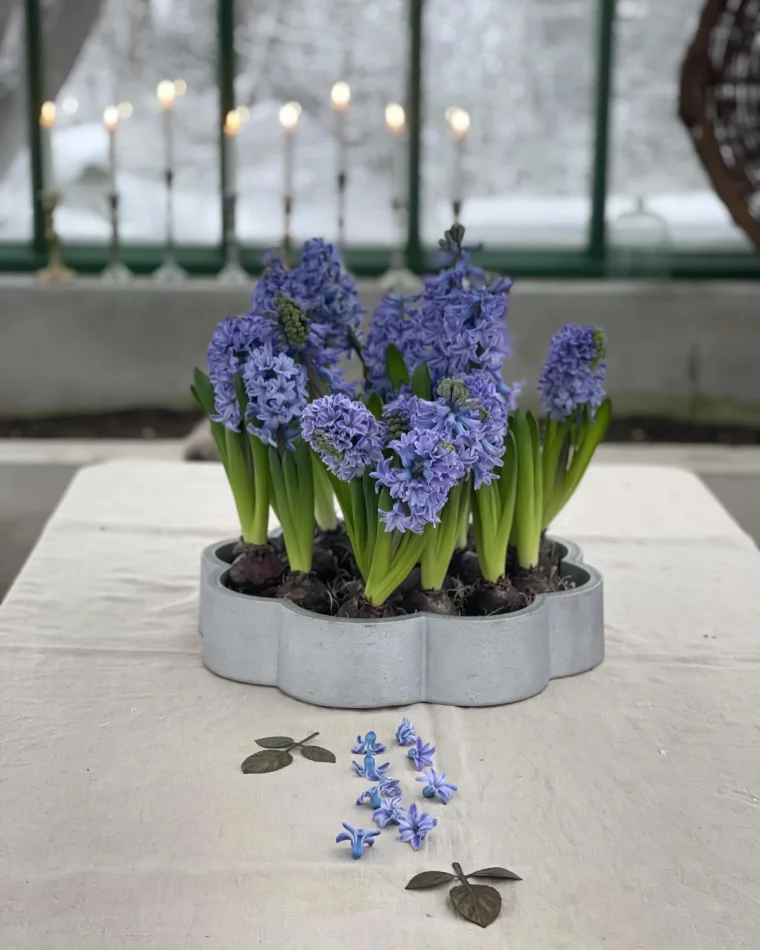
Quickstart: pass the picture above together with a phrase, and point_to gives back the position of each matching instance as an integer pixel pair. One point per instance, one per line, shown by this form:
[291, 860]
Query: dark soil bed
[334, 586]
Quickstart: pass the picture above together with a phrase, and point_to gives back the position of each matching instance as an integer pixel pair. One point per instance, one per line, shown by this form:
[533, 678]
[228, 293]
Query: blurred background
[606, 154]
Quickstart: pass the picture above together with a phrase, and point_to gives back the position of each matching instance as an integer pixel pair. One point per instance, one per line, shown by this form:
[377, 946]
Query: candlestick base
[170, 273]
[400, 281]
[116, 273]
[56, 271]
[233, 273]
[55, 274]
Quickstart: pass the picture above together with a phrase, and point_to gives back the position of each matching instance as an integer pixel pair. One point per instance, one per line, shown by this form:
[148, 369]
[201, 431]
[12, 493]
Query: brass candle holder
[56, 271]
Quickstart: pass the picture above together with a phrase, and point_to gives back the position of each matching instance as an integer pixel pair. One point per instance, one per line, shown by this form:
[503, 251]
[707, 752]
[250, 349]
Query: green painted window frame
[590, 262]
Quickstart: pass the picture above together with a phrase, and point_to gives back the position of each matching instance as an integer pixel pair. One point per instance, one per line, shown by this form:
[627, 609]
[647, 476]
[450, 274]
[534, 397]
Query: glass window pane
[109, 52]
[15, 174]
[296, 51]
[523, 71]
[660, 195]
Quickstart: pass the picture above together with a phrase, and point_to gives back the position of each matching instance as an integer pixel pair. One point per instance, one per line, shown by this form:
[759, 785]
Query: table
[627, 798]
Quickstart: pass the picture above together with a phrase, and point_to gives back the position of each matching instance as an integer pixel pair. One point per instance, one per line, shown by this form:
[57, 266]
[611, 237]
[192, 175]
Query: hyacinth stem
[393, 556]
[585, 438]
[240, 477]
[529, 501]
[441, 539]
[324, 499]
[493, 509]
[260, 520]
[292, 482]
[464, 516]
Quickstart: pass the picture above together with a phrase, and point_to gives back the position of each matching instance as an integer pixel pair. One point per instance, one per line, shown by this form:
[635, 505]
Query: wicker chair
[720, 104]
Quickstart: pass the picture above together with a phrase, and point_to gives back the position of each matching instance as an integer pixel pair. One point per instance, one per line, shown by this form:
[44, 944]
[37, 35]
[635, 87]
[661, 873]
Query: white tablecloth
[627, 798]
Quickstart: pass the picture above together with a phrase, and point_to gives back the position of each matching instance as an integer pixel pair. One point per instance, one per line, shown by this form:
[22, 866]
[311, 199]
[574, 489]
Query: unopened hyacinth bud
[293, 322]
[573, 375]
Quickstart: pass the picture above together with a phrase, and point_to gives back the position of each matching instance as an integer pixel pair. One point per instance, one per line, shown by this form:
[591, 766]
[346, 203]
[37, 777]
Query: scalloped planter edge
[459, 661]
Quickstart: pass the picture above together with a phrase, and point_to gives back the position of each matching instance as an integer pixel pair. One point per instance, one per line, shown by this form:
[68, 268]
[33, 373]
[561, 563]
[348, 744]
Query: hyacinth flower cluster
[428, 451]
[264, 368]
[551, 463]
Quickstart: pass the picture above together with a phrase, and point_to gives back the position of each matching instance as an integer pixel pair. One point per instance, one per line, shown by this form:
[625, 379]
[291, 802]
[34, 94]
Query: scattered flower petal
[359, 839]
[415, 826]
[437, 786]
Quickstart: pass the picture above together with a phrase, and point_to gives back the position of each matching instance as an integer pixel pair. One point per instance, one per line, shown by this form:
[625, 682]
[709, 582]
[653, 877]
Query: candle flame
[340, 96]
[460, 122]
[47, 114]
[233, 122]
[125, 110]
[180, 87]
[166, 93]
[289, 115]
[111, 118]
[395, 117]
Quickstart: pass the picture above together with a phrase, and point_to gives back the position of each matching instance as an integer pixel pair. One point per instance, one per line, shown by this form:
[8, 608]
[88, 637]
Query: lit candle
[395, 120]
[110, 121]
[340, 97]
[47, 121]
[231, 129]
[459, 120]
[289, 115]
[167, 93]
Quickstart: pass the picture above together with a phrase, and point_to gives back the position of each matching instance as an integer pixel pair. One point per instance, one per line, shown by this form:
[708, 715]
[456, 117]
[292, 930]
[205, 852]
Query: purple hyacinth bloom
[371, 796]
[437, 786]
[393, 322]
[422, 754]
[573, 375]
[370, 769]
[368, 745]
[276, 390]
[359, 838]
[230, 347]
[405, 734]
[331, 294]
[420, 477]
[391, 811]
[345, 435]
[464, 320]
[470, 413]
[415, 825]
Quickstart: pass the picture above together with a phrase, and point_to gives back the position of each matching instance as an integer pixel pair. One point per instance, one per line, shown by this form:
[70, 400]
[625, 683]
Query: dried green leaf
[500, 873]
[268, 761]
[429, 879]
[275, 742]
[316, 753]
[477, 902]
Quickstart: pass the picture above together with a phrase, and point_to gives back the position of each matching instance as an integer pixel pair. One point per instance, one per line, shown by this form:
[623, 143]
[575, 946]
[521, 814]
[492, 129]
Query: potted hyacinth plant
[421, 490]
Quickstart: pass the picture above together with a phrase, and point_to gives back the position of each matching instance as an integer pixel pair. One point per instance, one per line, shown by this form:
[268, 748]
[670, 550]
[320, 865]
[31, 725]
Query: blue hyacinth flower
[371, 770]
[422, 754]
[436, 786]
[368, 745]
[359, 838]
[371, 796]
[405, 734]
[391, 811]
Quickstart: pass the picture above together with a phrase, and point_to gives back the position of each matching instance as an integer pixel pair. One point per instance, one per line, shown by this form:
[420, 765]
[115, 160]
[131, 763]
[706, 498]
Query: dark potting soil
[334, 587]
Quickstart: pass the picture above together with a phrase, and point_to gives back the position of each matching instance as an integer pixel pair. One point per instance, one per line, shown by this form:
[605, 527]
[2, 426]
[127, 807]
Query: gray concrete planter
[461, 661]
